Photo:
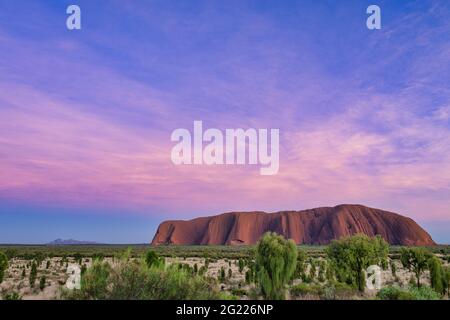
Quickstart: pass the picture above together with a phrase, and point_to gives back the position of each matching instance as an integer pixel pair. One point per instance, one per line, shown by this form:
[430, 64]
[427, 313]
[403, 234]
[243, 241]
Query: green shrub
[304, 289]
[350, 256]
[437, 275]
[413, 293]
[12, 296]
[241, 265]
[3, 265]
[334, 290]
[153, 259]
[424, 293]
[415, 260]
[94, 281]
[393, 269]
[33, 274]
[276, 260]
[42, 283]
[134, 280]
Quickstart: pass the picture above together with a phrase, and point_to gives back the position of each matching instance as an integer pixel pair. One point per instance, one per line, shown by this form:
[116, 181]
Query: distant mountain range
[61, 242]
[314, 226]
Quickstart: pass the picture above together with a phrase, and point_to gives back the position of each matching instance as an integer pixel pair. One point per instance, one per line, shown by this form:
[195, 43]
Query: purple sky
[86, 116]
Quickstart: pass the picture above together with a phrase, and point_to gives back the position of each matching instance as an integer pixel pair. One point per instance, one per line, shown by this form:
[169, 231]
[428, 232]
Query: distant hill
[61, 242]
[315, 226]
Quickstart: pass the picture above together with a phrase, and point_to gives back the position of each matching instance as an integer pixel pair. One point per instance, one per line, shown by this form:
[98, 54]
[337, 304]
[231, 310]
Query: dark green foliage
[3, 265]
[415, 260]
[222, 274]
[301, 264]
[153, 259]
[447, 278]
[230, 273]
[134, 280]
[11, 253]
[304, 289]
[350, 257]
[437, 275]
[202, 270]
[329, 274]
[12, 296]
[249, 277]
[23, 273]
[241, 265]
[42, 283]
[322, 270]
[33, 274]
[83, 269]
[78, 257]
[195, 268]
[276, 260]
[47, 265]
[94, 281]
[393, 269]
[396, 293]
[312, 270]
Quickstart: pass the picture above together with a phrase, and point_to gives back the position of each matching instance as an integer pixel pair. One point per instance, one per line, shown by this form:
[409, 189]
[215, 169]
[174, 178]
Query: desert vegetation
[273, 269]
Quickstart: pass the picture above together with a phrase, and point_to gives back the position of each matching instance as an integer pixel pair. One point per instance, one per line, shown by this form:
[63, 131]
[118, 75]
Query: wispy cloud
[86, 121]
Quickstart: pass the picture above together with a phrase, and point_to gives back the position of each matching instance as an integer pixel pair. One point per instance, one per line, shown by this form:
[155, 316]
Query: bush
[152, 259]
[334, 290]
[12, 296]
[42, 283]
[33, 274]
[303, 289]
[94, 281]
[424, 293]
[415, 260]
[350, 256]
[276, 260]
[437, 275]
[3, 265]
[135, 280]
[394, 293]
[414, 293]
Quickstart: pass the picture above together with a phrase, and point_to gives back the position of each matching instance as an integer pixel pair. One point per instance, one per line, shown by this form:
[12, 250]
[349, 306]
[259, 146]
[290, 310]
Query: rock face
[315, 226]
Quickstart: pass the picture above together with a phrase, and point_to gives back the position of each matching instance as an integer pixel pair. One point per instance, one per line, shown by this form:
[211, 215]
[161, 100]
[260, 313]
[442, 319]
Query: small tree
[350, 256]
[47, 264]
[301, 263]
[230, 273]
[222, 274]
[195, 268]
[42, 283]
[312, 270]
[3, 265]
[276, 260]
[415, 260]
[153, 259]
[437, 275]
[322, 269]
[393, 269]
[447, 279]
[241, 265]
[33, 274]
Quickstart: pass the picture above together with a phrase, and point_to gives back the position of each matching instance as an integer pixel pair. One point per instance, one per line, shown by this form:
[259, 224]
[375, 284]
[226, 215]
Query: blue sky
[86, 115]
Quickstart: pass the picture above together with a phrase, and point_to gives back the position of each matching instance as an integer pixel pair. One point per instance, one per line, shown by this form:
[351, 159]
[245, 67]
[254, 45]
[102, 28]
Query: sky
[86, 115]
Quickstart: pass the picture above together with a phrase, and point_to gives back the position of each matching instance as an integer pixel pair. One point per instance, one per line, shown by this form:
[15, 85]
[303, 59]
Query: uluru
[317, 226]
